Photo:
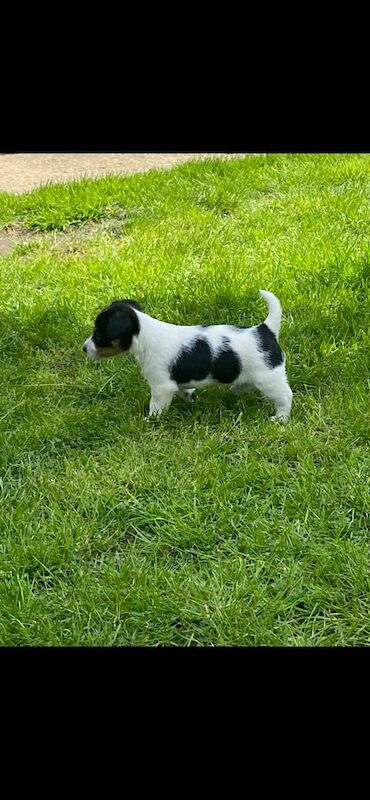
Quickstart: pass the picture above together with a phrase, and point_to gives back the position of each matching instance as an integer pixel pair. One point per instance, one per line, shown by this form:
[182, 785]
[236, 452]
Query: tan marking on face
[113, 350]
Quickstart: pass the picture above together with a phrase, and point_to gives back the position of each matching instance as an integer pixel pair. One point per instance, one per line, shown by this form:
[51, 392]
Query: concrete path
[21, 172]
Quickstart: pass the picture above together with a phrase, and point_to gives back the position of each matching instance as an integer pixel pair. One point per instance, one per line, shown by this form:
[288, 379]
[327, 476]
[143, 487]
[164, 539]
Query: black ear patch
[118, 322]
[119, 326]
[123, 325]
[132, 303]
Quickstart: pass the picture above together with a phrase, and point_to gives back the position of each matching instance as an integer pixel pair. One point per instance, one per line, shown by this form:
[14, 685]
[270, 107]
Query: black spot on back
[269, 345]
[193, 363]
[226, 366]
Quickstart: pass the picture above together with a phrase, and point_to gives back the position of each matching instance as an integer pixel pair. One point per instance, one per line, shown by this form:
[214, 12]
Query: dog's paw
[190, 395]
[279, 418]
[155, 413]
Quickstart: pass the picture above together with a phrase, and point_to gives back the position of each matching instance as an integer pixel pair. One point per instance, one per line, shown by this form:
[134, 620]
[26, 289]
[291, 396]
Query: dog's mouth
[107, 352]
[96, 352]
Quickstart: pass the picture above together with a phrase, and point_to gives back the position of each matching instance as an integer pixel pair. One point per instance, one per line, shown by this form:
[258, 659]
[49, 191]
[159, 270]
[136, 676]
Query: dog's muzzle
[90, 349]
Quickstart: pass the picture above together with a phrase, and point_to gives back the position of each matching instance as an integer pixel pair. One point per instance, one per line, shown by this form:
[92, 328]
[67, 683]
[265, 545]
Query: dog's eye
[97, 337]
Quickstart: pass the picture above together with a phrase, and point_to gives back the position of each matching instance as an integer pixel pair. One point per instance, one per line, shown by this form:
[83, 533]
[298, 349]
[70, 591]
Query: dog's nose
[84, 348]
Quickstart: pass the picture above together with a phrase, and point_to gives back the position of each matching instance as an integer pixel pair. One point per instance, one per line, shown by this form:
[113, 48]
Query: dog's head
[114, 329]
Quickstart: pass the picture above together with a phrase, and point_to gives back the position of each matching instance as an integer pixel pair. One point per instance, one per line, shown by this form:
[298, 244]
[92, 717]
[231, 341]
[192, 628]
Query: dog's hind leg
[274, 385]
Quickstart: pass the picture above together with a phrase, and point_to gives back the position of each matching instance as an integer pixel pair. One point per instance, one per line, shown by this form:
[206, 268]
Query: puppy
[180, 358]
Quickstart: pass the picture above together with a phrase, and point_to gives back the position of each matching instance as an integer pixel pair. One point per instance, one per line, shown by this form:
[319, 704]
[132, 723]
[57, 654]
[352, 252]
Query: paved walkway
[21, 172]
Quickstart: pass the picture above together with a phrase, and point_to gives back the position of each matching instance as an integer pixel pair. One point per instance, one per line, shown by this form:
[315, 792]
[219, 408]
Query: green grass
[210, 525]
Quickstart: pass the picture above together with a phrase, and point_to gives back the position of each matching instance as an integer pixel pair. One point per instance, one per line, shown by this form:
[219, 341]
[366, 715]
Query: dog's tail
[273, 318]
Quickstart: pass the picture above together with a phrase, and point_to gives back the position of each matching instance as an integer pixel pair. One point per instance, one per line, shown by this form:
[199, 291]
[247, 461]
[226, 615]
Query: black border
[274, 688]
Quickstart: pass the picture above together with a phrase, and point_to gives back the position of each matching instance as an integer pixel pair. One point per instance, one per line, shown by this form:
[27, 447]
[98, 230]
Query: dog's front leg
[161, 397]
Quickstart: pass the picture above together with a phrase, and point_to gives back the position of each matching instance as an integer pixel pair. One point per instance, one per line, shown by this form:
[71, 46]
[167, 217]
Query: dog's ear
[134, 304]
[118, 325]
[125, 302]
[123, 324]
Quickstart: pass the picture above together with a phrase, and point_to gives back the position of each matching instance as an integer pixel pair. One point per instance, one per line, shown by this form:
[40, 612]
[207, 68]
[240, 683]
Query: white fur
[273, 319]
[90, 348]
[158, 344]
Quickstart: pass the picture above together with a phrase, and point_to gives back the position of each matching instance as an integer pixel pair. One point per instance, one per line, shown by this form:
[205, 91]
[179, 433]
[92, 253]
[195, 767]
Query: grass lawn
[210, 525]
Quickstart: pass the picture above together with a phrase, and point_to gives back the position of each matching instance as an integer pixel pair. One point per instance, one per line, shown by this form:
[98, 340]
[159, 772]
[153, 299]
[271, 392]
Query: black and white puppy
[180, 358]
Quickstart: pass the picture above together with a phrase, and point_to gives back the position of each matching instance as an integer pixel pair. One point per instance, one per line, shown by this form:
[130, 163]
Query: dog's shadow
[51, 329]
[212, 405]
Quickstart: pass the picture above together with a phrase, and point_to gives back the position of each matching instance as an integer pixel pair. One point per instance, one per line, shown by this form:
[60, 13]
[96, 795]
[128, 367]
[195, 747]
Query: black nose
[84, 348]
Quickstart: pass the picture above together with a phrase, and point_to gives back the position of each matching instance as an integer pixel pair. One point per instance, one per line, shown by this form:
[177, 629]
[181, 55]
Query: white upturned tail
[273, 319]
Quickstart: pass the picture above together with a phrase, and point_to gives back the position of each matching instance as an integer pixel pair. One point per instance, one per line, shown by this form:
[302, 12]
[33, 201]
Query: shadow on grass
[97, 404]
[47, 329]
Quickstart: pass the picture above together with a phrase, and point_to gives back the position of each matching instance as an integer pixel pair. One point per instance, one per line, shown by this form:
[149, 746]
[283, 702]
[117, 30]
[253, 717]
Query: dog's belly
[193, 384]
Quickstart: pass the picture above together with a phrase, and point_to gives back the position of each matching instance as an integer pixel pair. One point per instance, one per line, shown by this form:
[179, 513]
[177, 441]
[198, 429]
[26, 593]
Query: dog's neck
[147, 339]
